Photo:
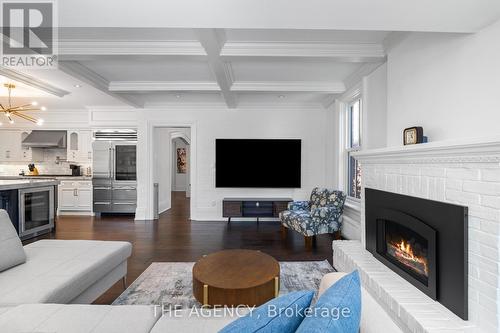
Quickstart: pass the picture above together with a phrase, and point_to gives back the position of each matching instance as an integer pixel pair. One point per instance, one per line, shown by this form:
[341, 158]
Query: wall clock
[413, 135]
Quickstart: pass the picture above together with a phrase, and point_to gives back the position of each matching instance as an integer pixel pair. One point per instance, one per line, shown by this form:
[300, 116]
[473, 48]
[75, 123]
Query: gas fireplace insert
[408, 246]
[424, 241]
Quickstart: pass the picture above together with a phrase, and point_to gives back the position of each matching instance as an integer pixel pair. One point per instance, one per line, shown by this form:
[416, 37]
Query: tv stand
[253, 207]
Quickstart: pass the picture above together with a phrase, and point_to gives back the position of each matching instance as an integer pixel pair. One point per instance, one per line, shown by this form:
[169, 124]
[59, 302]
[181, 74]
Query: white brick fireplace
[465, 173]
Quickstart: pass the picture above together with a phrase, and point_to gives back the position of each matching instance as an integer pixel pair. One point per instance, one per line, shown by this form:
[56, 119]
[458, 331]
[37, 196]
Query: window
[353, 140]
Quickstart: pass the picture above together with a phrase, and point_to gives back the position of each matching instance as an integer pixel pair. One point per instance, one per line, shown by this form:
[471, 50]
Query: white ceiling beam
[33, 82]
[356, 77]
[393, 39]
[142, 86]
[212, 40]
[93, 79]
[290, 86]
[88, 49]
[345, 52]
[328, 101]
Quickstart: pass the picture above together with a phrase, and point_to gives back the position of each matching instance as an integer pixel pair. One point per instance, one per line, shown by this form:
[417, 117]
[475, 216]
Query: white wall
[307, 123]
[374, 118]
[449, 84]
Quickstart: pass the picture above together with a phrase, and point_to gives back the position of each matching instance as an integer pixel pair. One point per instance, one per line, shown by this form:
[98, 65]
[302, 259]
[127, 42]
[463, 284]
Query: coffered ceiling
[147, 67]
[153, 53]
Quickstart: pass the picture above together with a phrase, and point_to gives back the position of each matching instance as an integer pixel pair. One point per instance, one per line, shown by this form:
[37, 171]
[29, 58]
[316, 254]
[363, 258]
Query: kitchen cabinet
[10, 146]
[75, 196]
[73, 141]
[12, 150]
[79, 146]
[26, 153]
[85, 151]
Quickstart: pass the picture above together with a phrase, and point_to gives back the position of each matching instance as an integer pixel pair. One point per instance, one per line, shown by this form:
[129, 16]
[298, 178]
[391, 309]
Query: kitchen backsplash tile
[47, 166]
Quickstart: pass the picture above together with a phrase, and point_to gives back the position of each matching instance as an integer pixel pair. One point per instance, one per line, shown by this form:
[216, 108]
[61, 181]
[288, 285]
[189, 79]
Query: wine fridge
[36, 211]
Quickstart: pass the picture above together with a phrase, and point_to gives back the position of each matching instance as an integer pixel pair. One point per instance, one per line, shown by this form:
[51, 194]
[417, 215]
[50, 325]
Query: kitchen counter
[58, 177]
[15, 184]
[62, 177]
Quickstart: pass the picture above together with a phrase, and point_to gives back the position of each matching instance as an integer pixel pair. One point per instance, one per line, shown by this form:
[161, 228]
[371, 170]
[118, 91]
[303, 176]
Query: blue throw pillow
[283, 314]
[337, 310]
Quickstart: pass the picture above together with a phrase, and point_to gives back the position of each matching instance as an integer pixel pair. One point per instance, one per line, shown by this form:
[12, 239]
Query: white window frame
[345, 149]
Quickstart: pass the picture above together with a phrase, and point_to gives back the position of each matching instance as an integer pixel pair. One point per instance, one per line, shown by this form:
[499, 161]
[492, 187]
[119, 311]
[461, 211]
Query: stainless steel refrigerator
[114, 176]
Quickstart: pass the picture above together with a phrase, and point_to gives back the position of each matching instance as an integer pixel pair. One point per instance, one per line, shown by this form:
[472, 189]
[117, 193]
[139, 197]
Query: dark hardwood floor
[175, 238]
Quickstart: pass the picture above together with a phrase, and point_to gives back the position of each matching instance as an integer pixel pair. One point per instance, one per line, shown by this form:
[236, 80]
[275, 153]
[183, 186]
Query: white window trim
[344, 149]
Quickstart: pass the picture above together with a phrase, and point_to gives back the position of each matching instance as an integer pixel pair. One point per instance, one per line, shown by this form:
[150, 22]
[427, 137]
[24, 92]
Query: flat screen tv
[260, 163]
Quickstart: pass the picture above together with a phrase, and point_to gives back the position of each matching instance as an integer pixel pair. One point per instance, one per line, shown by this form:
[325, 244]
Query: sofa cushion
[338, 309]
[10, 245]
[45, 318]
[283, 314]
[374, 319]
[57, 271]
[188, 320]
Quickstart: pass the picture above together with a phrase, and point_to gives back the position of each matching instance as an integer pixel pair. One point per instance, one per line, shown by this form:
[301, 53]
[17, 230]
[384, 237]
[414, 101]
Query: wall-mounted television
[258, 163]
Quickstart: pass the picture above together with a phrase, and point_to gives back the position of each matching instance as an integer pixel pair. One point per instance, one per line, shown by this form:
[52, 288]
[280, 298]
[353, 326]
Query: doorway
[172, 167]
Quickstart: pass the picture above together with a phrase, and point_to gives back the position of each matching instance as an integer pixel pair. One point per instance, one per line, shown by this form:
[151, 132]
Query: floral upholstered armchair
[321, 215]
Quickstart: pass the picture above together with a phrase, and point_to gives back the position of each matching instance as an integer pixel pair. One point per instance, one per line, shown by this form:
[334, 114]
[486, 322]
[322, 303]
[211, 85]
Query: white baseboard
[74, 213]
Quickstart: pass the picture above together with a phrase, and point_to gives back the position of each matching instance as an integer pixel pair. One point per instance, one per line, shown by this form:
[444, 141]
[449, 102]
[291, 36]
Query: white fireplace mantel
[467, 150]
[464, 172]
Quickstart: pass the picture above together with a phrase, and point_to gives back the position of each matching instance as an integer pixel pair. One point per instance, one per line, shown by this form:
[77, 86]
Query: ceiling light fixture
[11, 111]
[77, 85]
[281, 96]
[178, 96]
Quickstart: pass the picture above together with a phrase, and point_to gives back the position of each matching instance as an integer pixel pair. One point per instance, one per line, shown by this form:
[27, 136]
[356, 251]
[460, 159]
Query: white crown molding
[328, 101]
[297, 86]
[351, 52]
[131, 86]
[88, 76]
[214, 106]
[476, 150]
[394, 39]
[351, 94]
[109, 108]
[130, 47]
[33, 82]
[285, 107]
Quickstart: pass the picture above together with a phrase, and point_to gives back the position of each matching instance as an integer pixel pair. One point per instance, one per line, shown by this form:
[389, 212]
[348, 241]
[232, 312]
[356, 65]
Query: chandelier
[17, 111]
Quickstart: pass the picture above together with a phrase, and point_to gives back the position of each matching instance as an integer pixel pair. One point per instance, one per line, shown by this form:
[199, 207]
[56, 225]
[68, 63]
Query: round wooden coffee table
[236, 277]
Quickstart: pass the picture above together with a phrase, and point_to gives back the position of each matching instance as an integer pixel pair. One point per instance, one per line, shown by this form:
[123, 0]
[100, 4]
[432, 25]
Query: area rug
[170, 283]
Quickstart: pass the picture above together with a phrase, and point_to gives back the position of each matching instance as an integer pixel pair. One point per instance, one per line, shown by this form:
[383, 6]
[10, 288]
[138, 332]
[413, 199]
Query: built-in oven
[36, 211]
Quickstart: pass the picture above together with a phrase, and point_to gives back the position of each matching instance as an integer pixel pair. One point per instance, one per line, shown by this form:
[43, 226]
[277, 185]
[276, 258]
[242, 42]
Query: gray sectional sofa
[51, 283]
[64, 271]
[57, 318]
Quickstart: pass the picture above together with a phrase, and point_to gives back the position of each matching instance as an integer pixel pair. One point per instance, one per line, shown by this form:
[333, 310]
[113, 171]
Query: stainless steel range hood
[46, 139]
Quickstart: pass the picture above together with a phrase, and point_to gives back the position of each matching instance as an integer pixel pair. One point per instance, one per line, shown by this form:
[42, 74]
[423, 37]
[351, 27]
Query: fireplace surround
[424, 241]
[463, 172]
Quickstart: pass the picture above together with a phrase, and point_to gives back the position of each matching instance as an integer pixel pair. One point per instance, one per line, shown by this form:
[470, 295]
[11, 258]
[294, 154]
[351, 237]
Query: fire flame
[406, 248]
[405, 251]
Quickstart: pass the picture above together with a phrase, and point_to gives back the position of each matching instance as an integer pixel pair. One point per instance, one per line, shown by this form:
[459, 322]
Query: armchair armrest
[299, 205]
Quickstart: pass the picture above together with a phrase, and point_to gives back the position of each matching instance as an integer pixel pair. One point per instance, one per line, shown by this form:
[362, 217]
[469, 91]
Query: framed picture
[181, 160]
